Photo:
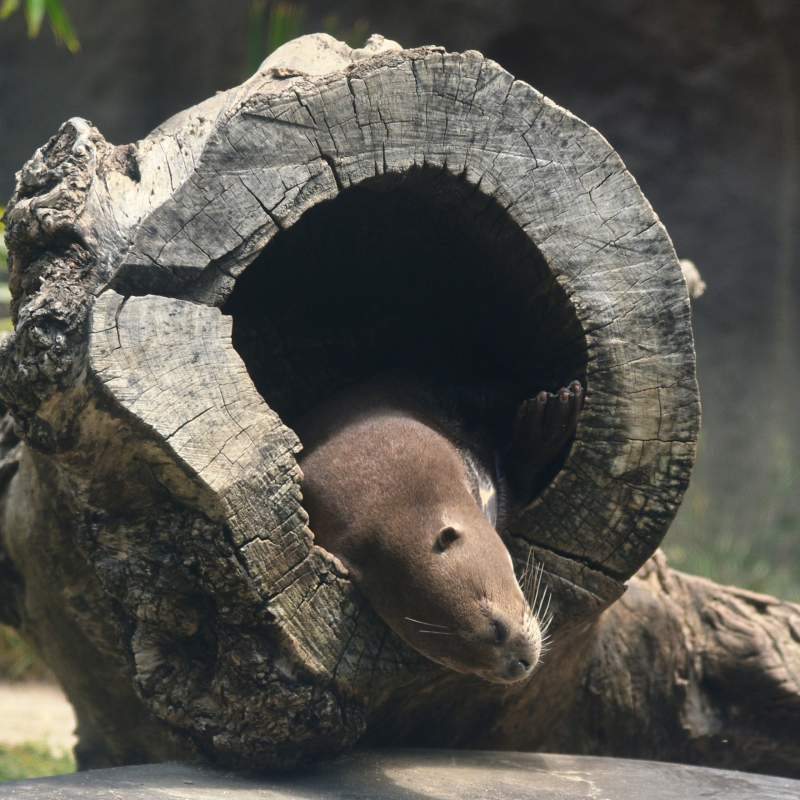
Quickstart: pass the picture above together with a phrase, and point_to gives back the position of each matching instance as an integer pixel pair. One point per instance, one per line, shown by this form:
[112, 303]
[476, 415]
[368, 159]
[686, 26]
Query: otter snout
[517, 645]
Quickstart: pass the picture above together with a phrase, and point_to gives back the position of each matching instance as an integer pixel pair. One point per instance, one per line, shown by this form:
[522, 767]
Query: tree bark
[723, 683]
[180, 301]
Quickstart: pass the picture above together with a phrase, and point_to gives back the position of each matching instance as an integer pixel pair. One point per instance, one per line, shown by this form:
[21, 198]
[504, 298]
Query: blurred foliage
[765, 560]
[355, 35]
[18, 661]
[32, 760]
[35, 12]
[271, 24]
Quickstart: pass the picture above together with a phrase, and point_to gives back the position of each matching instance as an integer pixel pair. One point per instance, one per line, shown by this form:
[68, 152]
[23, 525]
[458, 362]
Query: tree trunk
[179, 302]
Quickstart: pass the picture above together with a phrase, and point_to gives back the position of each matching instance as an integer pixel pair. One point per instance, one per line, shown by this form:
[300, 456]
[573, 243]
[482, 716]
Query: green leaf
[61, 25]
[8, 8]
[34, 13]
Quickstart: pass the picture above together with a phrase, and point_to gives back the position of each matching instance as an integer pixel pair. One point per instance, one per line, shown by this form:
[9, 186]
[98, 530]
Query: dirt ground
[36, 712]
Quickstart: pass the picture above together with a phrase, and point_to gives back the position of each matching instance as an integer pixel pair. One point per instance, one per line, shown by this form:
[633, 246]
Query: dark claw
[546, 423]
[543, 426]
[537, 420]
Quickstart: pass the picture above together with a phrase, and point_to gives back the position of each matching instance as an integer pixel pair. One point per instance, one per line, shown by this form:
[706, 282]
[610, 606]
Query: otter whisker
[545, 597]
[530, 571]
[525, 577]
[537, 583]
[525, 584]
[540, 605]
[429, 624]
[544, 606]
[439, 633]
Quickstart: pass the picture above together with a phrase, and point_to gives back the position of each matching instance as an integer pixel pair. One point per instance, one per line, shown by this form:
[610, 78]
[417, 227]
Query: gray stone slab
[418, 775]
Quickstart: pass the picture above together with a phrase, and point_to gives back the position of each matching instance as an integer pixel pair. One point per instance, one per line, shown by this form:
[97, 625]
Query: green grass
[32, 760]
[748, 543]
[728, 560]
[765, 561]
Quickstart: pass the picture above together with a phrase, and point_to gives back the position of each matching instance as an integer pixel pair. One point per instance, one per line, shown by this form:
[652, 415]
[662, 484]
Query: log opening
[420, 271]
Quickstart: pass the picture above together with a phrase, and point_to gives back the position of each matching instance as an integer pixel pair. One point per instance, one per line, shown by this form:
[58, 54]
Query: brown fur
[382, 481]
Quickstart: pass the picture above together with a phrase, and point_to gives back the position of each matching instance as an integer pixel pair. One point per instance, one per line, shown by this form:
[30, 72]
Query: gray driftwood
[179, 301]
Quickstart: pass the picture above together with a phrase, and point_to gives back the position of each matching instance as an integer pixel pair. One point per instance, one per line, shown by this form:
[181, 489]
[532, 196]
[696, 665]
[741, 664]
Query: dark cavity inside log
[420, 272]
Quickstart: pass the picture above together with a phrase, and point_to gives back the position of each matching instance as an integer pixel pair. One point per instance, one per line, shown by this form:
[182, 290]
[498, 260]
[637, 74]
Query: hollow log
[181, 301]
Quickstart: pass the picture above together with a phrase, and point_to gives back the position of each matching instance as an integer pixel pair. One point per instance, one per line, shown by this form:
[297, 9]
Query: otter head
[455, 598]
[392, 498]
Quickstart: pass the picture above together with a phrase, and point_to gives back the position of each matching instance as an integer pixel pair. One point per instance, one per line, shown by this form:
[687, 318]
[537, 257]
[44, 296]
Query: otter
[409, 493]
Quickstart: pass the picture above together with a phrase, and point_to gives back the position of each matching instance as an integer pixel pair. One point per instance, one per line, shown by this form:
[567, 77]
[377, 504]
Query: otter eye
[446, 537]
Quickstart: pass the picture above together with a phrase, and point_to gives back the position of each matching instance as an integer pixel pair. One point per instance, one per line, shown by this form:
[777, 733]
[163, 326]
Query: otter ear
[447, 536]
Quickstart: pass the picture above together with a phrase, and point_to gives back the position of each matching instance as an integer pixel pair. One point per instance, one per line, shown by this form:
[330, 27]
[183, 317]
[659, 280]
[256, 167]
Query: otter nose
[517, 667]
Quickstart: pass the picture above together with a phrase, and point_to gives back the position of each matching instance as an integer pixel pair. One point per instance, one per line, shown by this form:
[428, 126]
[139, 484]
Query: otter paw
[545, 423]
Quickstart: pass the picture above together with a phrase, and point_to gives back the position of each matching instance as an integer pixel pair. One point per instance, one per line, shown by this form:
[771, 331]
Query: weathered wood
[179, 301]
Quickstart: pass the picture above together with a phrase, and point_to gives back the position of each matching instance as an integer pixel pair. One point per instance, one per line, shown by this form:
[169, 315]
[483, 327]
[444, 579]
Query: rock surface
[416, 775]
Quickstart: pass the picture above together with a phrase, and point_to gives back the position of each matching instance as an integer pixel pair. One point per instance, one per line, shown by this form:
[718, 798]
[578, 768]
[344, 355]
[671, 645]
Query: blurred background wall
[700, 97]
